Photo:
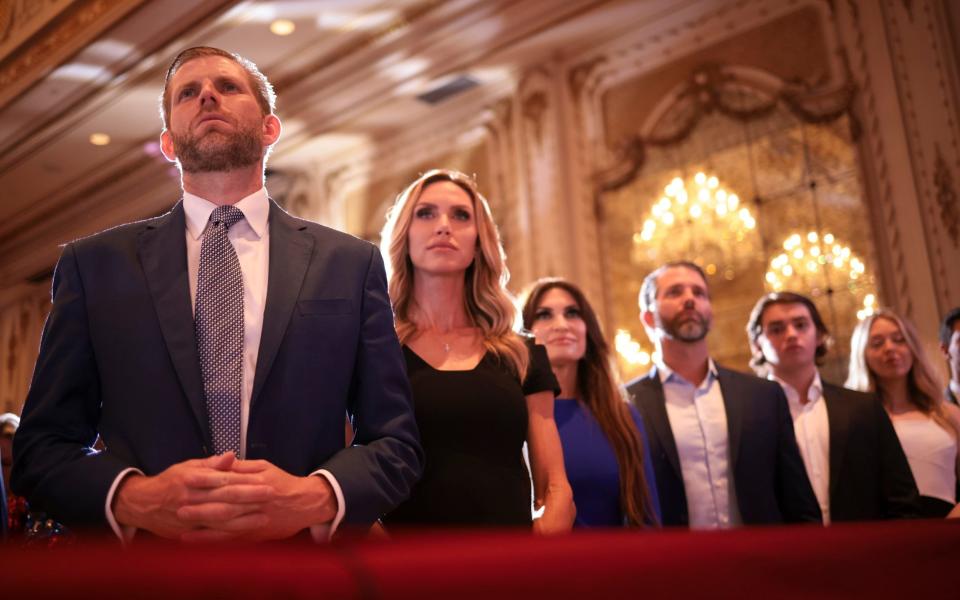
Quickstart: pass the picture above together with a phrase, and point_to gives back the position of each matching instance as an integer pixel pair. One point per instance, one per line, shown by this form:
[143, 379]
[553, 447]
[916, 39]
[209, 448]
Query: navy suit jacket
[118, 359]
[768, 473]
[870, 477]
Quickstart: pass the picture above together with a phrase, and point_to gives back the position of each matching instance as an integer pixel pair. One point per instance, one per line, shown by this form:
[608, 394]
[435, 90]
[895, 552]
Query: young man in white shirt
[950, 346]
[850, 450]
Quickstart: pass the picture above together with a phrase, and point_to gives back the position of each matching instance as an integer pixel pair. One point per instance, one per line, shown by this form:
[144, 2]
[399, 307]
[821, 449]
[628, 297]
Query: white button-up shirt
[698, 419]
[812, 430]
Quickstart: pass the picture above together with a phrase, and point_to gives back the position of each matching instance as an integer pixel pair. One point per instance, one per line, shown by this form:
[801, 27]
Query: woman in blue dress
[604, 443]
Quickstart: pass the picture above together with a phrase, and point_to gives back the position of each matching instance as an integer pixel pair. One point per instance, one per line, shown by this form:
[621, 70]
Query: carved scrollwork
[736, 93]
[946, 197]
[534, 109]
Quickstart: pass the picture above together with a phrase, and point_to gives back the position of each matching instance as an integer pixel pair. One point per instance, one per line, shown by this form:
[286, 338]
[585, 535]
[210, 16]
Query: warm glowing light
[99, 139]
[697, 213]
[629, 349]
[814, 262]
[282, 27]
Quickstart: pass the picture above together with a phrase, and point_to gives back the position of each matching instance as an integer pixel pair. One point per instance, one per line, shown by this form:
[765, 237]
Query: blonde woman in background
[480, 390]
[887, 357]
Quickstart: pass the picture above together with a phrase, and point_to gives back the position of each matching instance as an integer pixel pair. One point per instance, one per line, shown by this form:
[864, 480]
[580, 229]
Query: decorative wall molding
[895, 278]
[23, 311]
[947, 199]
[21, 19]
[66, 28]
[643, 50]
[740, 93]
[930, 118]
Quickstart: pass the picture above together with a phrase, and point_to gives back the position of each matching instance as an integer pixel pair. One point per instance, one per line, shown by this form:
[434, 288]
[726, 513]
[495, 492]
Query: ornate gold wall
[546, 147]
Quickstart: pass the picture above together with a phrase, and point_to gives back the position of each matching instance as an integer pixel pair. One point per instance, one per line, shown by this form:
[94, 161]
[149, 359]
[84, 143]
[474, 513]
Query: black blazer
[768, 473]
[870, 477]
[118, 359]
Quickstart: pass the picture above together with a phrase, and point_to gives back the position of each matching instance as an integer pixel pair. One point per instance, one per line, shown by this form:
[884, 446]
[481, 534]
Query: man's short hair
[648, 290]
[755, 325]
[946, 328]
[261, 86]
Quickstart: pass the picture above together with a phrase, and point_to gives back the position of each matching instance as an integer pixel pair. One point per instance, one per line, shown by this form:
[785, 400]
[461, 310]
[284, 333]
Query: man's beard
[205, 155]
[684, 328]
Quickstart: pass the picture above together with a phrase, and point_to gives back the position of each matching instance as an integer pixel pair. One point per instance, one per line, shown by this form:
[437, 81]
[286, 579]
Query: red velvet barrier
[908, 560]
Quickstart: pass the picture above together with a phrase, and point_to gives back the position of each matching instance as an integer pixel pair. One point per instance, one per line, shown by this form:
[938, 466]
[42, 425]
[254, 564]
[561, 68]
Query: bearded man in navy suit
[215, 350]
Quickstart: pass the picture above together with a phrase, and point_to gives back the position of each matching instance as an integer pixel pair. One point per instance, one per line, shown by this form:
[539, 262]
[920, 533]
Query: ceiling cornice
[37, 36]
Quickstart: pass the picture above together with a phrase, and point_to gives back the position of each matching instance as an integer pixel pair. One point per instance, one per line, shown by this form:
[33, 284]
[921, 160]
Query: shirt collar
[666, 373]
[255, 208]
[955, 388]
[813, 394]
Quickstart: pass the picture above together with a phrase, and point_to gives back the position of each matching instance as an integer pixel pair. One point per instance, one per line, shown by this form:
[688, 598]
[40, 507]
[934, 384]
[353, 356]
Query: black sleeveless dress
[472, 427]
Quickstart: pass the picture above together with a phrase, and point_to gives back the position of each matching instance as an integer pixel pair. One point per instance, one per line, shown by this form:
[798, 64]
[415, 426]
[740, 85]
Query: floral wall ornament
[946, 197]
[741, 94]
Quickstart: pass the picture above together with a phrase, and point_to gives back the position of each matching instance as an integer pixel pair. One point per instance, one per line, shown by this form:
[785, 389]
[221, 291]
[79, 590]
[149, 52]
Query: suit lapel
[654, 404]
[838, 420]
[290, 252]
[733, 403]
[162, 249]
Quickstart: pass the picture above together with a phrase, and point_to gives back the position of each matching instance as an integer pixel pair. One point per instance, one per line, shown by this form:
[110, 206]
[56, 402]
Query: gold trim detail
[65, 35]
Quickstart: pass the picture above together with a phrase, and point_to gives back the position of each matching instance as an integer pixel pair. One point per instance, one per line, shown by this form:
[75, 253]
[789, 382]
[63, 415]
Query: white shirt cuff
[325, 531]
[124, 533]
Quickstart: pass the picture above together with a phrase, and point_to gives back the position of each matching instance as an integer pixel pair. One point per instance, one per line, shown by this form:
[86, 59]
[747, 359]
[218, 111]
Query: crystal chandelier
[807, 263]
[697, 219]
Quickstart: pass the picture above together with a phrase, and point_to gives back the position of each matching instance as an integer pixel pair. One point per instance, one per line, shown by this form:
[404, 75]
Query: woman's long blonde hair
[923, 383]
[486, 301]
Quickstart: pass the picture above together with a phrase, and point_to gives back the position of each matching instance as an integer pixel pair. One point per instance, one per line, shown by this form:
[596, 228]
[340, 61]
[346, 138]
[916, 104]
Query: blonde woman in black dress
[480, 389]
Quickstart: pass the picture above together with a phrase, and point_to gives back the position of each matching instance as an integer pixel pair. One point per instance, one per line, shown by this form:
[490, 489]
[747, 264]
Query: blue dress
[592, 466]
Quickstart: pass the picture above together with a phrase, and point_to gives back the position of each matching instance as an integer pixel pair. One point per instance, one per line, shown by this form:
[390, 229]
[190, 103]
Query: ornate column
[23, 310]
[900, 55]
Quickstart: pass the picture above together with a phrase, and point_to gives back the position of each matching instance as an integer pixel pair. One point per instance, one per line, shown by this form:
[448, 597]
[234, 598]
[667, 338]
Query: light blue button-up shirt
[698, 419]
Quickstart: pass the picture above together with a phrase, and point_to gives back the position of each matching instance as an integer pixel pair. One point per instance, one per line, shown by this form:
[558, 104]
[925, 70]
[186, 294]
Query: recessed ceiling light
[282, 27]
[99, 139]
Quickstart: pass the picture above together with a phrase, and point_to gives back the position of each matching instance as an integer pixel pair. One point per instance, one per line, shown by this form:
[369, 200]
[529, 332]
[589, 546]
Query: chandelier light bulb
[807, 256]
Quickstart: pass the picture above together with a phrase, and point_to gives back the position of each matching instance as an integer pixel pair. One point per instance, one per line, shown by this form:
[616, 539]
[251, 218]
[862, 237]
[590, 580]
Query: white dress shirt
[251, 240]
[698, 419]
[812, 430]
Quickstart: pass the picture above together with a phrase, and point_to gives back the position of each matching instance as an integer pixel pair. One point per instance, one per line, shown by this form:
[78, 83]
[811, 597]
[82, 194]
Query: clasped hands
[222, 498]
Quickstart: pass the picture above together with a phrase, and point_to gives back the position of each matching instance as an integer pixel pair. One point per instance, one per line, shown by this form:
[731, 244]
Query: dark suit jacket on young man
[119, 358]
[768, 474]
[870, 477]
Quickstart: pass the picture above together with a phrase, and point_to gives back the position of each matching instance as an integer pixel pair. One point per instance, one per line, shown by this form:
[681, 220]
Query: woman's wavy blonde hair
[926, 390]
[486, 300]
